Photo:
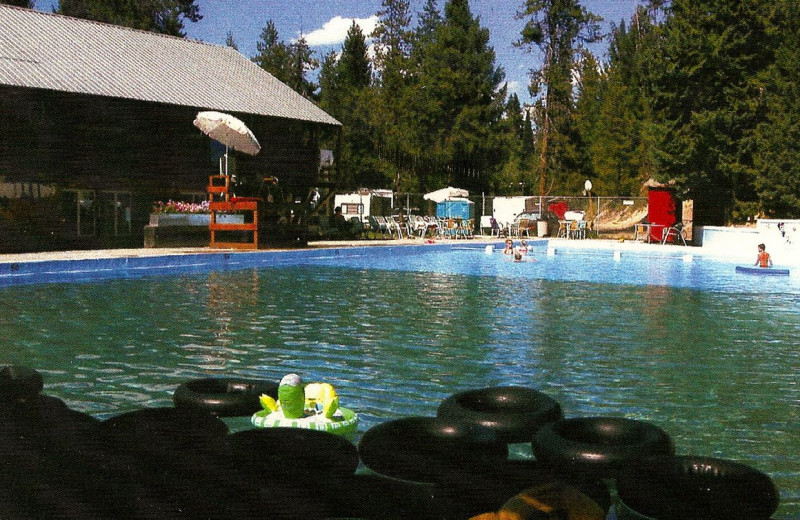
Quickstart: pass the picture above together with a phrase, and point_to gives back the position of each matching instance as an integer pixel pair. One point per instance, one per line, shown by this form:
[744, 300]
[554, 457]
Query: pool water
[709, 355]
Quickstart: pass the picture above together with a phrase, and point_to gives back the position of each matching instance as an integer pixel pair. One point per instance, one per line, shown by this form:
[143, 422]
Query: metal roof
[49, 51]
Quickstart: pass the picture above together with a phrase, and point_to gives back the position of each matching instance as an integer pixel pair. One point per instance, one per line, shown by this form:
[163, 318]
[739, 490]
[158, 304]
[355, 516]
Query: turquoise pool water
[710, 356]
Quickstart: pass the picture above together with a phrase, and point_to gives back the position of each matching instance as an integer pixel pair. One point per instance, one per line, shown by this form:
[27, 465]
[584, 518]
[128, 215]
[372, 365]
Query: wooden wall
[151, 151]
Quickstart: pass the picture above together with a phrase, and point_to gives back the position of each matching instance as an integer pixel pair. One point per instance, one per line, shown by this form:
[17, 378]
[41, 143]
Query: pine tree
[345, 94]
[514, 116]
[273, 54]
[329, 83]
[460, 100]
[559, 29]
[591, 86]
[301, 61]
[429, 20]
[230, 42]
[289, 63]
[778, 157]
[616, 119]
[392, 41]
[514, 175]
[161, 16]
[709, 97]
[392, 44]
[355, 69]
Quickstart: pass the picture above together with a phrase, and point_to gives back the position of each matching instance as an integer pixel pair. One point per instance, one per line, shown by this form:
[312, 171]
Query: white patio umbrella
[445, 193]
[228, 130]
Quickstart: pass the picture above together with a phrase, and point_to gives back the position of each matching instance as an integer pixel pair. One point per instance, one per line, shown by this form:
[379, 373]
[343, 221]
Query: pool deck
[98, 254]
[105, 254]
[558, 243]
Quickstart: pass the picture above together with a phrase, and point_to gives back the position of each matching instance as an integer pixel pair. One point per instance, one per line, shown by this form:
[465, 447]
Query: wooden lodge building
[96, 126]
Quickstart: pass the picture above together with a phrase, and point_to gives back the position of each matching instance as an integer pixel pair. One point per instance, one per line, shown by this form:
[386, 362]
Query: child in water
[763, 259]
[521, 255]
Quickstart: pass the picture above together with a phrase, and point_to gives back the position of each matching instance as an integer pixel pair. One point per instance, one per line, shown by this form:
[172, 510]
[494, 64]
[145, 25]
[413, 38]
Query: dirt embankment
[620, 219]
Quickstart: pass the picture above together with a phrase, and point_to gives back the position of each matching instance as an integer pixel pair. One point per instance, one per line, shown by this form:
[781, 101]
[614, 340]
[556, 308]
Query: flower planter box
[183, 229]
[191, 219]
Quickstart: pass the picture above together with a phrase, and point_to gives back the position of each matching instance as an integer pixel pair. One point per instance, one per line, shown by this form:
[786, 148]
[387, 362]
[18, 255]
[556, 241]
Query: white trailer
[507, 209]
[364, 203]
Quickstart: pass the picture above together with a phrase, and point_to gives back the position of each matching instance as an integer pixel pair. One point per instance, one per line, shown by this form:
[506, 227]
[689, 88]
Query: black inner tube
[425, 449]
[514, 412]
[599, 444]
[692, 487]
[19, 383]
[223, 397]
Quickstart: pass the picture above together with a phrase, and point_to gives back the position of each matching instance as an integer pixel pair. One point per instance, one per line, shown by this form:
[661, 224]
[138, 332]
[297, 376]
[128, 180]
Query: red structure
[663, 211]
[559, 208]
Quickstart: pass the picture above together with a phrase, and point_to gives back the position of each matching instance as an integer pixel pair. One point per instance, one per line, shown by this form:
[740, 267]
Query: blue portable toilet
[456, 208]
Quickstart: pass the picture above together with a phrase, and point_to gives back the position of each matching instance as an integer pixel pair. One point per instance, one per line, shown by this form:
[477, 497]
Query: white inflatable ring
[344, 421]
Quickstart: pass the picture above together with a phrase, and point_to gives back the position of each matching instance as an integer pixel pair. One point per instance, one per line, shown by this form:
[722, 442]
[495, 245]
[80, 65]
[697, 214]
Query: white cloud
[334, 31]
[518, 88]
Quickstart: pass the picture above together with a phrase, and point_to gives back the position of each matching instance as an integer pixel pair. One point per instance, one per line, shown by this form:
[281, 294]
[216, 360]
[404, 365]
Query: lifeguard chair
[220, 201]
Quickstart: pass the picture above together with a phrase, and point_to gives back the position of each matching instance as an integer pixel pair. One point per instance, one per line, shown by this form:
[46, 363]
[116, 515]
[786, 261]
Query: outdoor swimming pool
[709, 355]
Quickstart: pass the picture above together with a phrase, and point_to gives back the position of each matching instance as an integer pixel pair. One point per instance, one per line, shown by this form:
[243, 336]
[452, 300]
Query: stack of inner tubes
[463, 451]
[182, 462]
[177, 463]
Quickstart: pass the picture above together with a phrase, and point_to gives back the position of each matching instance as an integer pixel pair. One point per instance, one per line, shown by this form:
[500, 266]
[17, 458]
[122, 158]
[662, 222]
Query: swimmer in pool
[763, 259]
[521, 256]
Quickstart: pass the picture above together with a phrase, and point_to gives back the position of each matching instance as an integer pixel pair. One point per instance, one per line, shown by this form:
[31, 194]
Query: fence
[610, 216]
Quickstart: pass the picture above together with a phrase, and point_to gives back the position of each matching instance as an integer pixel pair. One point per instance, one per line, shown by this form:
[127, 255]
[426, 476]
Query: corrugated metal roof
[44, 50]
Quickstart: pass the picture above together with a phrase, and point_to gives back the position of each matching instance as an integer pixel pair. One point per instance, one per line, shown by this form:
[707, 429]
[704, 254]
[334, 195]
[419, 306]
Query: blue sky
[325, 22]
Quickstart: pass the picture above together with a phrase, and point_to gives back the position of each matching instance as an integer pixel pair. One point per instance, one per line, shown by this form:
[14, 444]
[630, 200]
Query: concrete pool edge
[67, 266]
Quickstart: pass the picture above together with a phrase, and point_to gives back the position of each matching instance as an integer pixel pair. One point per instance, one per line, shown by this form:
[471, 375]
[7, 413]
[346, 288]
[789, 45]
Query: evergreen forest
[700, 94]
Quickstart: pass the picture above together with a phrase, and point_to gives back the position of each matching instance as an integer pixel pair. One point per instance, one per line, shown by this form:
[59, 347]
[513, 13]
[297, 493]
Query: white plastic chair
[395, 226]
[380, 225]
[486, 223]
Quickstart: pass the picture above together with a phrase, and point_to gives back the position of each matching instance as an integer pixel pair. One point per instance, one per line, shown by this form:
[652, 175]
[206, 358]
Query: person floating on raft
[314, 406]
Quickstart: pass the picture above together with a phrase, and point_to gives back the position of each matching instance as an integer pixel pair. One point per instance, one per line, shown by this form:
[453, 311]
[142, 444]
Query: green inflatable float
[314, 406]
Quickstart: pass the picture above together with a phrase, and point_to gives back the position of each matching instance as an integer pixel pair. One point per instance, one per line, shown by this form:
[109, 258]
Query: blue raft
[767, 271]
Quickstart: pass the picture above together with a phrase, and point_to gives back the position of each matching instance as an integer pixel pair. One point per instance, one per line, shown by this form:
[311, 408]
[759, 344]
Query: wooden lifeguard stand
[220, 200]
